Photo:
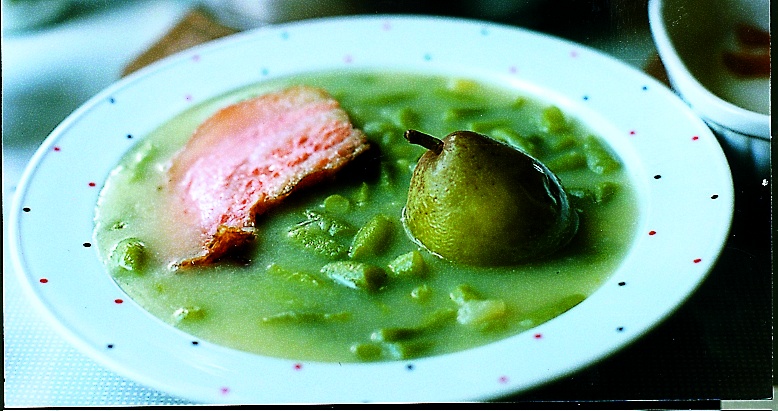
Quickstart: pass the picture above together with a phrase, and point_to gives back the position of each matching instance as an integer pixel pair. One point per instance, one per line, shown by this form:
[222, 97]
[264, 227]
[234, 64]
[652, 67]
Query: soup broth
[293, 294]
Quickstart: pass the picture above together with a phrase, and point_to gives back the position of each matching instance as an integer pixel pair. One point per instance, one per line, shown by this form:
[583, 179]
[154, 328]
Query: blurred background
[56, 54]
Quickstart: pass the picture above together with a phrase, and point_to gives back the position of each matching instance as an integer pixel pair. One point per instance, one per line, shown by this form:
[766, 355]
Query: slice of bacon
[249, 156]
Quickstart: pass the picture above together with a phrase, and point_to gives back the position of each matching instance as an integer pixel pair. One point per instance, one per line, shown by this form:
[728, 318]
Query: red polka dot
[44, 280]
[697, 260]
[538, 336]
[632, 132]
[652, 232]
[56, 148]
[92, 184]
[503, 379]
[118, 301]
[695, 138]
[298, 366]
[225, 390]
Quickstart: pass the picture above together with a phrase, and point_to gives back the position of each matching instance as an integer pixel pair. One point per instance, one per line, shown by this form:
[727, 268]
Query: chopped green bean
[372, 238]
[294, 276]
[598, 159]
[307, 317]
[604, 191]
[188, 314]
[553, 120]
[403, 350]
[408, 265]
[367, 351]
[129, 254]
[464, 293]
[421, 293]
[356, 275]
[567, 161]
[480, 311]
[336, 203]
[511, 137]
[312, 238]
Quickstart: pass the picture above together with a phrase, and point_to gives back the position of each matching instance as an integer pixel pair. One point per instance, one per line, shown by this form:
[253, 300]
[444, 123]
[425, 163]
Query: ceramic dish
[682, 179]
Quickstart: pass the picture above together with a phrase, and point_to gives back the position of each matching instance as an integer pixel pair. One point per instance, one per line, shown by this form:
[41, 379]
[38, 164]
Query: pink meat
[249, 156]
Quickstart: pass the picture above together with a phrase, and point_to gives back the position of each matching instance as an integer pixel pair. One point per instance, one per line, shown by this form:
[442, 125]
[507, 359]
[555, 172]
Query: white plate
[680, 173]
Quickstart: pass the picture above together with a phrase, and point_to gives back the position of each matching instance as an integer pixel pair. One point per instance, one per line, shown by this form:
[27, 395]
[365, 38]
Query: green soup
[333, 275]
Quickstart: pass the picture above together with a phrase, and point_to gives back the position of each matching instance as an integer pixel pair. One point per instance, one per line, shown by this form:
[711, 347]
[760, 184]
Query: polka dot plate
[681, 176]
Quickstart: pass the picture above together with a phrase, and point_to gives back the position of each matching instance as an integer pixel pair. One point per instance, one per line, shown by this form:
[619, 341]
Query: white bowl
[682, 179]
[690, 36]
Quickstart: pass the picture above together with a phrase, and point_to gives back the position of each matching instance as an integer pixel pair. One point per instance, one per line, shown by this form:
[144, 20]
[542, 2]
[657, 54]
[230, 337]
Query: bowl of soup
[334, 301]
[717, 59]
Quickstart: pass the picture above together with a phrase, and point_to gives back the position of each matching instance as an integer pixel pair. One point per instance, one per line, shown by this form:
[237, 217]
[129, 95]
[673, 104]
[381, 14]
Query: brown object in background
[195, 28]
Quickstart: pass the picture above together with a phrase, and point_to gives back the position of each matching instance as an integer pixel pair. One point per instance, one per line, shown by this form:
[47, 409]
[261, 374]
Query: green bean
[408, 265]
[567, 161]
[421, 293]
[481, 311]
[464, 293]
[312, 238]
[356, 275]
[598, 159]
[372, 238]
[553, 120]
[336, 203]
[290, 275]
[307, 317]
[188, 314]
[511, 137]
[129, 254]
[367, 351]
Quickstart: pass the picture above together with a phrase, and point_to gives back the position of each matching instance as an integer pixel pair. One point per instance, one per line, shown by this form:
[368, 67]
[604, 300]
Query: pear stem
[425, 140]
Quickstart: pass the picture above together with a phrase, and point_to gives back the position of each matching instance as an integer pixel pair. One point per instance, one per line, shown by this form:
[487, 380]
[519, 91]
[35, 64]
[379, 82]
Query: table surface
[718, 345]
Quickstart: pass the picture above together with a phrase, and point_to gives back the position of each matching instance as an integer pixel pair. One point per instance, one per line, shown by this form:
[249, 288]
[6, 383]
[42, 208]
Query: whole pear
[477, 201]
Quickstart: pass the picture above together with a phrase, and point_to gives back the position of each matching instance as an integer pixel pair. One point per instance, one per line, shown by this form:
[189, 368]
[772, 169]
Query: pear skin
[477, 201]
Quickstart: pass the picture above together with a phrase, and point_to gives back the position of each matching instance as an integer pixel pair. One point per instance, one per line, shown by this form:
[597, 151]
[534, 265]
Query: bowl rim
[707, 104]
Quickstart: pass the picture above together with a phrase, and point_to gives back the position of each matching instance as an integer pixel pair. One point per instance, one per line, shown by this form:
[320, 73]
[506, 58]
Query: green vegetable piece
[188, 314]
[520, 102]
[372, 238]
[356, 275]
[294, 276]
[403, 350]
[392, 334]
[486, 126]
[143, 161]
[305, 317]
[463, 86]
[367, 351]
[598, 159]
[460, 113]
[421, 293]
[464, 293]
[478, 312]
[557, 143]
[553, 120]
[129, 254]
[312, 238]
[604, 191]
[408, 265]
[362, 195]
[336, 204]
[515, 139]
[328, 224]
[567, 161]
